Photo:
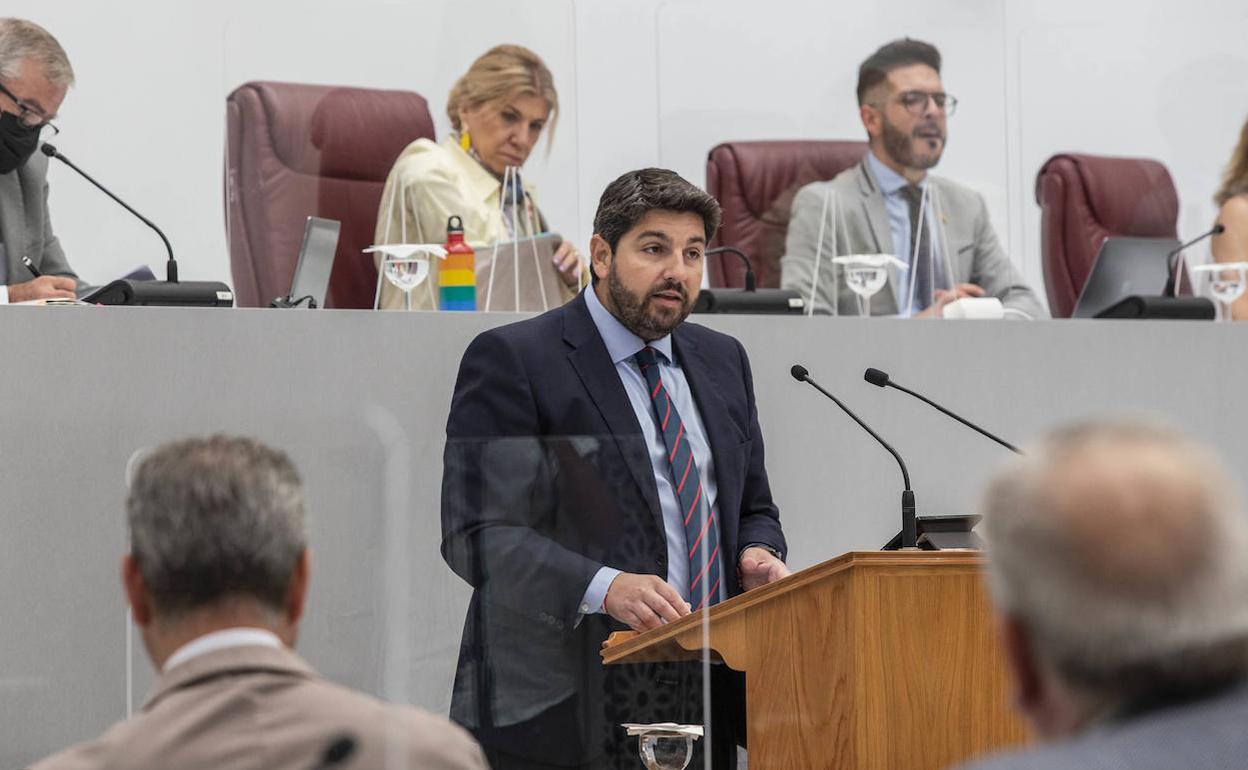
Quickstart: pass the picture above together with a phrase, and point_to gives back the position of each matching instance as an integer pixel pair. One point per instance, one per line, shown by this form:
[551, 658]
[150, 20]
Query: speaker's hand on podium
[643, 602]
[758, 567]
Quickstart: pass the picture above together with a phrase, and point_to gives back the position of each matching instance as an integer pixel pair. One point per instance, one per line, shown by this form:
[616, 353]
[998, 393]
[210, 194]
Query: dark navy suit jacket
[546, 479]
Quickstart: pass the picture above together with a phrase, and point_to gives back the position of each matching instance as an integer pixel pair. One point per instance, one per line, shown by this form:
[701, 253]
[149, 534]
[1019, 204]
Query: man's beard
[900, 146]
[637, 313]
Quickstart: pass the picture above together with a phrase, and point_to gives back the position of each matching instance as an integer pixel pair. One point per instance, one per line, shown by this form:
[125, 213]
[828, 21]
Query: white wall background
[641, 82]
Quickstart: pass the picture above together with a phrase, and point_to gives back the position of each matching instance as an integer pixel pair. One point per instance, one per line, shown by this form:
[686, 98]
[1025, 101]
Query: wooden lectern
[871, 660]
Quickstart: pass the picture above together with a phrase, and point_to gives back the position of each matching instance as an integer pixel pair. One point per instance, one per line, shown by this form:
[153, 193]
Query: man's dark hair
[892, 56]
[628, 199]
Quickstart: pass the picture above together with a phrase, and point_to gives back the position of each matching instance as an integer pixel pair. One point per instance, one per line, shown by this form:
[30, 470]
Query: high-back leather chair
[1085, 199]
[755, 183]
[296, 150]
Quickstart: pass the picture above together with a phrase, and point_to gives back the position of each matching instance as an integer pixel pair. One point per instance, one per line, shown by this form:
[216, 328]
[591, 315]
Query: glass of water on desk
[1224, 282]
[866, 274]
[405, 266]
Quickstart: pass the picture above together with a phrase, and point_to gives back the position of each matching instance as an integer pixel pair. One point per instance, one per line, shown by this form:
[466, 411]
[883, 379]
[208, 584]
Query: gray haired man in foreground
[1117, 562]
[216, 577]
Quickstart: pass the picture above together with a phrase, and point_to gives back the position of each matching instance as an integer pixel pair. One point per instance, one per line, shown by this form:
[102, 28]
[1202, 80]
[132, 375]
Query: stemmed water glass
[406, 265]
[1225, 282]
[866, 274]
[662, 750]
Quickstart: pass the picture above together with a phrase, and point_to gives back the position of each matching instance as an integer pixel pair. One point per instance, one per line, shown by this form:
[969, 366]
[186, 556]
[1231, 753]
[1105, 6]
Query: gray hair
[21, 40]
[215, 519]
[1119, 546]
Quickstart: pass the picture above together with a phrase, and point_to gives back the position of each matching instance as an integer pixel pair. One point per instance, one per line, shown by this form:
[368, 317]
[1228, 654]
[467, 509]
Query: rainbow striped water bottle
[457, 275]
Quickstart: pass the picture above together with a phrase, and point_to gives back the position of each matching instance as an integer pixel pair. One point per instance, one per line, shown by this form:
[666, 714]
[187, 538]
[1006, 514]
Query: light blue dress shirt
[622, 345]
[891, 184]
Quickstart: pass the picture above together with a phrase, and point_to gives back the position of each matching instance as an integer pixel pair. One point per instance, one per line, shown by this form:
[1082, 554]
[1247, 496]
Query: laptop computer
[316, 262]
[1123, 267]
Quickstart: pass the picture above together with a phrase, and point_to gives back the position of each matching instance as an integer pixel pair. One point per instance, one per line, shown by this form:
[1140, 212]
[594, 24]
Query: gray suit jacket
[25, 227]
[1208, 734]
[862, 228]
[264, 707]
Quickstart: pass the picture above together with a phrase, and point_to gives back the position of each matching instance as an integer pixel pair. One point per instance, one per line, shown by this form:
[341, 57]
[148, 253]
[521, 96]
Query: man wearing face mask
[34, 75]
[876, 207]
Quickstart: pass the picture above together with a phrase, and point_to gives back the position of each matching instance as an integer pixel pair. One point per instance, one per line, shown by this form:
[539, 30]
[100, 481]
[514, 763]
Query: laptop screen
[1123, 267]
[316, 260]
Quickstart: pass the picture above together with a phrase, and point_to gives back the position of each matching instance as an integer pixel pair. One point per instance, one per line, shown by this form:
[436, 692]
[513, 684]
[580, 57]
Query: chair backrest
[296, 150]
[755, 183]
[1085, 199]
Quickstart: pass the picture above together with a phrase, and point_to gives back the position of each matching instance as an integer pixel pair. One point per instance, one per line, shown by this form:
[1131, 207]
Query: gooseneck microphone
[337, 751]
[169, 292]
[171, 267]
[751, 282]
[881, 379]
[1172, 264]
[909, 528]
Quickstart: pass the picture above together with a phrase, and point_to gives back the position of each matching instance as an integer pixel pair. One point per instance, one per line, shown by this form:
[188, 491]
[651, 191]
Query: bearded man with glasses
[889, 204]
[34, 76]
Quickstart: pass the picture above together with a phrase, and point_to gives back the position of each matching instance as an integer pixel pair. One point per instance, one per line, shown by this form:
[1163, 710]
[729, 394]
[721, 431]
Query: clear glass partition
[1157, 82]
[323, 119]
[788, 74]
[1032, 83]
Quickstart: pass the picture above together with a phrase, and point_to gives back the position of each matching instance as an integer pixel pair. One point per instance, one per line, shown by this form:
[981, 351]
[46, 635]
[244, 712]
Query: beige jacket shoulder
[264, 707]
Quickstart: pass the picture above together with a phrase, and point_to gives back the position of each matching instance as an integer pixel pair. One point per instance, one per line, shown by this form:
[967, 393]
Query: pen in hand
[31, 267]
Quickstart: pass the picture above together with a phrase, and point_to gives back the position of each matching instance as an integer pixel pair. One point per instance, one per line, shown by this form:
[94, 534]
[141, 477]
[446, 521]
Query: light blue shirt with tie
[891, 184]
[622, 345]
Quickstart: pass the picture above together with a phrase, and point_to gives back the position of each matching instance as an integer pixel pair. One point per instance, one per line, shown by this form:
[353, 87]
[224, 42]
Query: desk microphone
[337, 751]
[1172, 264]
[751, 281]
[880, 379]
[171, 267]
[750, 298]
[909, 528]
[167, 292]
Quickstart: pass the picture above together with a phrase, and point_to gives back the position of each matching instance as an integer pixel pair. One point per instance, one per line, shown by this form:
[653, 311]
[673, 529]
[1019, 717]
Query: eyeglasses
[915, 102]
[28, 116]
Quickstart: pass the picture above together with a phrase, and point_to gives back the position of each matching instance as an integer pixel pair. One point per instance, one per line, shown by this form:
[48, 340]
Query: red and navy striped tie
[701, 531]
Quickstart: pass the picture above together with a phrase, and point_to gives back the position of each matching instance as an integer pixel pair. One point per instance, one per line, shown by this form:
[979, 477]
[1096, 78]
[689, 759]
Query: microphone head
[875, 377]
[799, 372]
[338, 751]
[48, 150]
[1219, 228]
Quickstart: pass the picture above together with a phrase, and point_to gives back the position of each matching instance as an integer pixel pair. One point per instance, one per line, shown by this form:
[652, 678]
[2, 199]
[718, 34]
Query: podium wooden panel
[875, 660]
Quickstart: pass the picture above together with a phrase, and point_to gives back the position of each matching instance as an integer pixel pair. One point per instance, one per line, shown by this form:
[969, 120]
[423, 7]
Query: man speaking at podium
[604, 469]
[34, 76]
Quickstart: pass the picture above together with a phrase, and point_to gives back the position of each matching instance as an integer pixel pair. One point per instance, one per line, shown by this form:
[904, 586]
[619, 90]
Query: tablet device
[524, 277]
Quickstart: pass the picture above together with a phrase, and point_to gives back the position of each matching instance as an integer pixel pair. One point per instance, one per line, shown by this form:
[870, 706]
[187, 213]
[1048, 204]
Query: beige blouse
[428, 184]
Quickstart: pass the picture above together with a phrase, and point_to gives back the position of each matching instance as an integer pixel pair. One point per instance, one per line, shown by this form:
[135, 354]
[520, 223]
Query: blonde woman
[1232, 197]
[499, 109]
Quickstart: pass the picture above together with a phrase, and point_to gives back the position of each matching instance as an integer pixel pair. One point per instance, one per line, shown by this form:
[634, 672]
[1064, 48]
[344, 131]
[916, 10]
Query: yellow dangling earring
[465, 141]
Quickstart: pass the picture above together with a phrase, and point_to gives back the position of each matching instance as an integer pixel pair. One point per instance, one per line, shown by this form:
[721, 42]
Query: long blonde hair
[1235, 180]
[503, 71]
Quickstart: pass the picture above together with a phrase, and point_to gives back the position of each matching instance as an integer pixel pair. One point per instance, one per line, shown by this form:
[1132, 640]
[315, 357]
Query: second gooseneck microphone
[909, 528]
[881, 379]
[1172, 260]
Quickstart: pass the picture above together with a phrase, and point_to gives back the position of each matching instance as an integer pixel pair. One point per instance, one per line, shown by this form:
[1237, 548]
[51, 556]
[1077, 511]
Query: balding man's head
[1118, 547]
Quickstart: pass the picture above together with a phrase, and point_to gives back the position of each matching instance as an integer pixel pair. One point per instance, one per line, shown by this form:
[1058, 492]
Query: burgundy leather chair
[1085, 199]
[296, 150]
[755, 183]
